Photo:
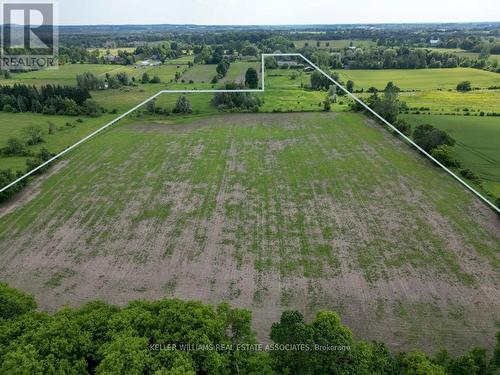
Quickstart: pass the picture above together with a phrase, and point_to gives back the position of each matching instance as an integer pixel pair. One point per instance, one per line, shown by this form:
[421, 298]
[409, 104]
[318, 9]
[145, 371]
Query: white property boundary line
[355, 98]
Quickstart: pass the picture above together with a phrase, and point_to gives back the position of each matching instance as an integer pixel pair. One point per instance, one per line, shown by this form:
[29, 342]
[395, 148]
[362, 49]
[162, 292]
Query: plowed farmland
[270, 212]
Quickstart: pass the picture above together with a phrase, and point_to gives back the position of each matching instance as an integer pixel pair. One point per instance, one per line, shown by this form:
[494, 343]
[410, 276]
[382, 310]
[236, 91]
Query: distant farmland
[200, 73]
[238, 70]
[421, 79]
[270, 212]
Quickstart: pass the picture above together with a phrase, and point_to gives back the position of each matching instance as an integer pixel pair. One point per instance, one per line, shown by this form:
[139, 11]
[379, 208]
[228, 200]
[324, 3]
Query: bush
[251, 78]
[52, 127]
[428, 137]
[444, 154]
[34, 135]
[7, 108]
[403, 126]
[222, 68]
[236, 101]
[14, 147]
[6, 177]
[470, 175]
[41, 157]
[91, 108]
[155, 79]
[319, 81]
[145, 78]
[182, 105]
[464, 86]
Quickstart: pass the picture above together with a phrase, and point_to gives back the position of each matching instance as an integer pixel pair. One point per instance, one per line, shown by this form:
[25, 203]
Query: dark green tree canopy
[251, 78]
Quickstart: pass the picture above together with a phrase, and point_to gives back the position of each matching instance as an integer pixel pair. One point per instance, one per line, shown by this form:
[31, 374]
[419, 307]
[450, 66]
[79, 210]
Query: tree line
[383, 57]
[48, 99]
[176, 337]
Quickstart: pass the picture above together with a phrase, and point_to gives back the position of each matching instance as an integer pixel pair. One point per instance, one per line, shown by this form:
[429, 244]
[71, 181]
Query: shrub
[464, 86]
[91, 108]
[428, 137]
[6, 177]
[145, 78]
[8, 108]
[182, 105]
[251, 78]
[444, 154]
[470, 175]
[403, 126]
[327, 105]
[34, 135]
[14, 147]
[236, 101]
[52, 128]
[155, 79]
[319, 81]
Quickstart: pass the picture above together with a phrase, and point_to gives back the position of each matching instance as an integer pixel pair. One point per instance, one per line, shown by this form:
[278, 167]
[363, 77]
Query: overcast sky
[274, 12]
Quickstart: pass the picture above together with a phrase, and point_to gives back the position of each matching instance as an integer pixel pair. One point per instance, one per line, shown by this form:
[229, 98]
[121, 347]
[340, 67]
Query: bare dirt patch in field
[269, 212]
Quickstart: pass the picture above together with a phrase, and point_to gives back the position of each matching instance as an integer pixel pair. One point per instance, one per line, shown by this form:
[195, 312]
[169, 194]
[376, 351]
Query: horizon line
[274, 24]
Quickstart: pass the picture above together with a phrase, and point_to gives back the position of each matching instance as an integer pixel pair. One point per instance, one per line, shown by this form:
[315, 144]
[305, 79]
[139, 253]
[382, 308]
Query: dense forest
[188, 338]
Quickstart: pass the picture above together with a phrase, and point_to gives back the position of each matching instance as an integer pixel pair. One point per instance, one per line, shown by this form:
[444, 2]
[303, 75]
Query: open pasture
[200, 73]
[237, 72]
[453, 101]
[165, 72]
[64, 74]
[68, 131]
[420, 79]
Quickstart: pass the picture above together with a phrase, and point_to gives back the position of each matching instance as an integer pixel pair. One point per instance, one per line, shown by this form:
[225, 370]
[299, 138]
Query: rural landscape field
[272, 208]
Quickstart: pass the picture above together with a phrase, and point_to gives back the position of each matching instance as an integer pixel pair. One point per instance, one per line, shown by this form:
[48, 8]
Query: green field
[477, 145]
[446, 101]
[421, 79]
[237, 71]
[12, 125]
[165, 72]
[200, 73]
[284, 93]
[271, 212]
[184, 60]
[64, 75]
[463, 53]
